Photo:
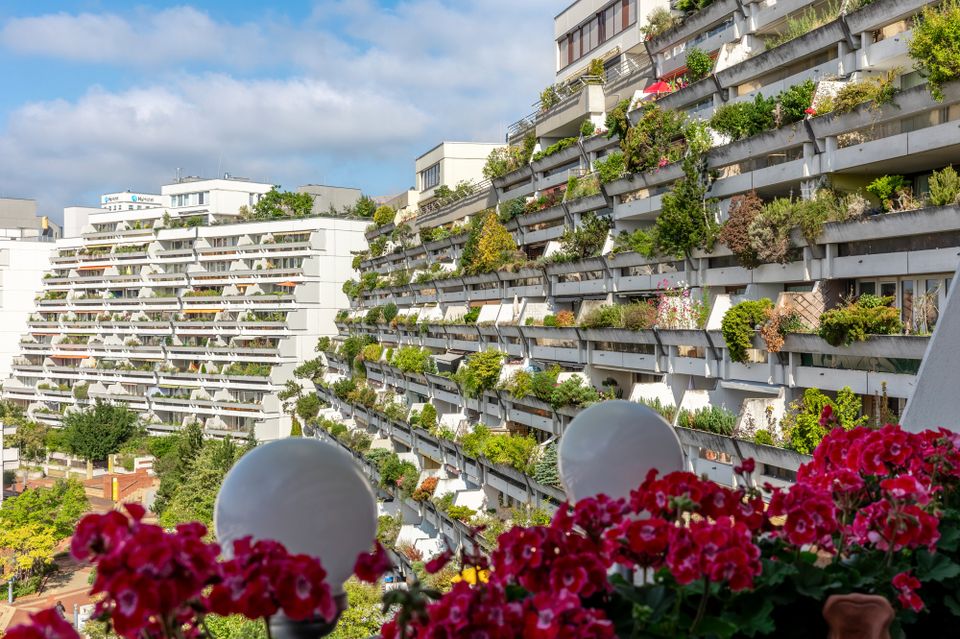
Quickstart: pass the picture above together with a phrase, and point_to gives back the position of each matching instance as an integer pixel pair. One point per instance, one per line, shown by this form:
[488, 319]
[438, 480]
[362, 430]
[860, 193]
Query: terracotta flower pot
[857, 616]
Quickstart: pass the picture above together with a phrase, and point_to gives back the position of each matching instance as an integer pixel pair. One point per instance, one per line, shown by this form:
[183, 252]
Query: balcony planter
[886, 346]
[555, 212]
[559, 158]
[694, 23]
[589, 203]
[546, 332]
[578, 266]
[693, 92]
[785, 54]
[683, 337]
[523, 173]
[758, 145]
[618, 335]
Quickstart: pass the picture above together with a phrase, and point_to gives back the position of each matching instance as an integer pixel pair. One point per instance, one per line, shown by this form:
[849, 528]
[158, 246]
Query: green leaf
[951, 603]
[758, 620]
[935, 567]
[715, 627]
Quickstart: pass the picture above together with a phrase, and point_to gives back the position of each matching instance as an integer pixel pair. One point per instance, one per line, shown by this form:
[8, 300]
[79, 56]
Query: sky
[100, 96]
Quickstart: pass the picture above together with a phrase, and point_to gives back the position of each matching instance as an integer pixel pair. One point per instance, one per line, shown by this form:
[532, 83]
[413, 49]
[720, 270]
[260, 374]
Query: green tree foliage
[364, 616]
[686, 221]
[511, 450]
[99, 430]
[428, 417]
[944, 187]
[488, 247]
[699, 64]
[935, 45]
[172, 467]
[308, 407]
[610, 167]
[194, 498]
[57, 508]
[383, 215]
[802, 423]
[232, 627]
[617, 122]
[585, 239]
[365, 206]
[545, 469]
[743, 119]
[869, 315]
[31, 439]
[411, 359]
[506, 159]
[480, 372]
[656, 138]
[276, 204]
[739, 326]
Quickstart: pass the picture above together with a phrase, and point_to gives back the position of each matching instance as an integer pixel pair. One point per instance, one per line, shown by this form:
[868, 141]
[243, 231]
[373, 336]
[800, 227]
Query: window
[430, 177]
[906, 303]
[615, 18]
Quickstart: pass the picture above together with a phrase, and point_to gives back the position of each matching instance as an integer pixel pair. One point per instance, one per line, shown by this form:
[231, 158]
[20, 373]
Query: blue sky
[101, 96]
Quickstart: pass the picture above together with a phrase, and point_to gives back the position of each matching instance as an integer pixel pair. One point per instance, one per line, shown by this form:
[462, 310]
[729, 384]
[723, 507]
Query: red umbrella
[658, 87]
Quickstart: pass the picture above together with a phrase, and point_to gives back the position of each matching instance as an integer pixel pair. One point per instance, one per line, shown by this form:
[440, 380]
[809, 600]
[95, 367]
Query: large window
[430, 177]
[613, 19]
[190, 199]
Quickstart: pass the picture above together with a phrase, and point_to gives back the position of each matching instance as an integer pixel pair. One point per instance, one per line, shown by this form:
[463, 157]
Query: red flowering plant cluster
[874, 511]
[157, 583]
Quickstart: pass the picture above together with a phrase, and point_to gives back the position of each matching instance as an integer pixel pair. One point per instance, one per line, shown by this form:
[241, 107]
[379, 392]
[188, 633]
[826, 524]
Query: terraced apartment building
[184, 308]
[694, 175]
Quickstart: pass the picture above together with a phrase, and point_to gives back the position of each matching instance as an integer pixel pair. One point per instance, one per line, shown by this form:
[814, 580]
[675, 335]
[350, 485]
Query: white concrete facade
[184, 321]
[454, 162]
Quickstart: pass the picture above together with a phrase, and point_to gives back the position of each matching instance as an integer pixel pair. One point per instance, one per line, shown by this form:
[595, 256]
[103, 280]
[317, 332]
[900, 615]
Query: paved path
[70, 585]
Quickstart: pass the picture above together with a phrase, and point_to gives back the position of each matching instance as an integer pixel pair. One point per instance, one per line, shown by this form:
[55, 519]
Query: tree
[194, 498]
[31, 439]
[364, 616]
[383, 215]
[279, 204]
[173, 467]
[365, 206]
[308, 407]
[99, 430]
[489, 245]
[58, 508]
[935, 45]
[26, 550]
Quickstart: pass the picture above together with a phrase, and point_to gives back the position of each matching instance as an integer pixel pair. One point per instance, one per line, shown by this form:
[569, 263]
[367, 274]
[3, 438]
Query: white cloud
[362, 89]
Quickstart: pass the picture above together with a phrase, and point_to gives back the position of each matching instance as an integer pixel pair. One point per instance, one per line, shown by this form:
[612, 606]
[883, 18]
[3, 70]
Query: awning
[751, 387]
[287, 284]
[202, 310]
[91, 268]
[448, 362]
[71, 356]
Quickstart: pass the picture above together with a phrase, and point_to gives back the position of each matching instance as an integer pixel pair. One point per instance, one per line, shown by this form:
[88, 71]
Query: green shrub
[739, 326]
[935, 45]
[879, 90]
[383, 215]
[657, 137]
[744, 119]
[388, 312]
[428, 417]
[343, 387]
[586, 239]
[667, 411]
[617, 122]
[659, 21]
[511, 450]
[764, 438]
[587, 127]
[480, 372]
[411, 359]
[605, 316]
[802, 24]
[869, 315]
[639, 315]
[470, 317]
[573, 392]
[461, 513]
[474, 442]
[713, 419]
[802, 424]
[545, 470]
[542, 383]
[611, 167]
[699, 64]
[388, 528]
[554, 148]
[373, 316]
[885, 187]
[944, 187]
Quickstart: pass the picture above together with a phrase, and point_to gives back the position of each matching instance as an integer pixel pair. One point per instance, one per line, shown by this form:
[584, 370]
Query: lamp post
[311, 497]
[610, 447]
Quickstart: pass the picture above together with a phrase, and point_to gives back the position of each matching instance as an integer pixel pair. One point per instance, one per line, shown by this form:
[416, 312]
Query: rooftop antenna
[219, 162]
[178, 175]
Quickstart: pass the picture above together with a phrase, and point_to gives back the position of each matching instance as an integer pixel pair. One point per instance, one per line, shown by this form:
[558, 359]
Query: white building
[26, 243]
[185, 312]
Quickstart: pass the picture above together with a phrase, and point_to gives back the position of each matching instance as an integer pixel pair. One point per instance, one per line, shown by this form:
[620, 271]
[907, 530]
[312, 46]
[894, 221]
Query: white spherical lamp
[309, 495]
[610, 447]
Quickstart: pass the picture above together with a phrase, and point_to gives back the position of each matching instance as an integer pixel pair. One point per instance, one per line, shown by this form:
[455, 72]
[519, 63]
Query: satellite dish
[610, 447]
